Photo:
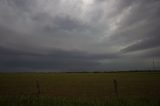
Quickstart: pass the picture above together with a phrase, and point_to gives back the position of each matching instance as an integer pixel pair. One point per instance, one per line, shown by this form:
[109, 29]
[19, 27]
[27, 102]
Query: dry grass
[81, 85]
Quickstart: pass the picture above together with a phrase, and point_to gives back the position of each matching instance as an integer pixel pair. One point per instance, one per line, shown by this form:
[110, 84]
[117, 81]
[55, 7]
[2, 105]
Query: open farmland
[80, 89]
[81, 85]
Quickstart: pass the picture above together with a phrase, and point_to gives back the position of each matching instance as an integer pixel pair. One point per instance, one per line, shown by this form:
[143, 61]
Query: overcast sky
[79, 35]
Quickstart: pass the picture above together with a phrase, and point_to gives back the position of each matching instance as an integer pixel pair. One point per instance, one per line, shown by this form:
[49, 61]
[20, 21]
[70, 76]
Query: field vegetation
[80, 89]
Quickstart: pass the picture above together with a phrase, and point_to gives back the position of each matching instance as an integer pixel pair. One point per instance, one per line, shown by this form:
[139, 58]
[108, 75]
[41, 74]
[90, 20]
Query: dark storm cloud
[23, 4]
[153, 53]
[78, 34]
[149, 43]
[56, 60]
[150, 35]
[139, 29]
[65, 23]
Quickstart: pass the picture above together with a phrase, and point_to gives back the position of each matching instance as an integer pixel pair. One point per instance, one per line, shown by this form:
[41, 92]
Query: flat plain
[80, 89]
[81, 85]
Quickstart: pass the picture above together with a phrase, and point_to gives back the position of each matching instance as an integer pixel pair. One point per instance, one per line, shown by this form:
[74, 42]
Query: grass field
[45, 101]
[83, 86]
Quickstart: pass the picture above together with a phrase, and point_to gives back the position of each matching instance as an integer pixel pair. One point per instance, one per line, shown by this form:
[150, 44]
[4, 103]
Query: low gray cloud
[56, 60]
[78, 34]
[149, 43]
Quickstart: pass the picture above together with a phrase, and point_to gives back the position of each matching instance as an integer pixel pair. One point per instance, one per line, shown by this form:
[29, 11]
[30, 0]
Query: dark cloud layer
[79, 35]
[57, 60]
[147, 43]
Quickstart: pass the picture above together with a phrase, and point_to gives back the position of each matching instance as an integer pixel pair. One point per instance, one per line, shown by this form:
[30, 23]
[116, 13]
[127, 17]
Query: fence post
[116, 87]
